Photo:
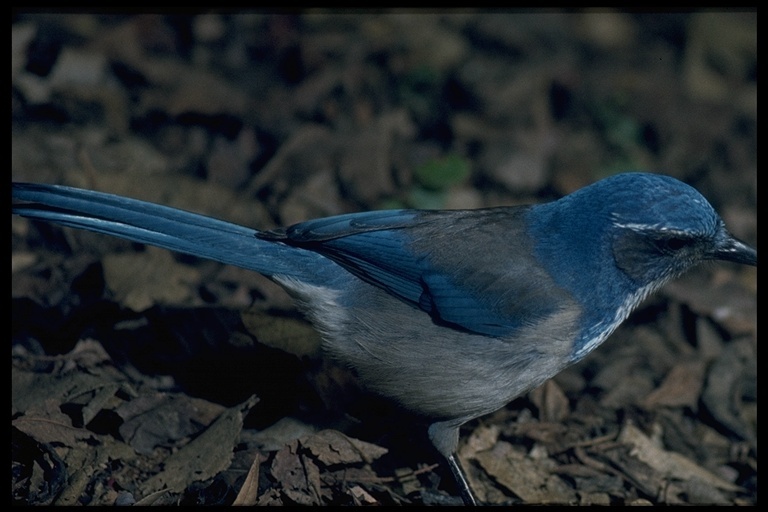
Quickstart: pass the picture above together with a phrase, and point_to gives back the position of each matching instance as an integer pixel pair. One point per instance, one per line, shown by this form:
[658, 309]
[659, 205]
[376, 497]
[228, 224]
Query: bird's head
[660, 227]
[616, 241]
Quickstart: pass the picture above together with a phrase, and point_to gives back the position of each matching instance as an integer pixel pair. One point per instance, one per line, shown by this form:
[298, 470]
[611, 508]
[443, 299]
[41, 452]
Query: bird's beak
[732, 249]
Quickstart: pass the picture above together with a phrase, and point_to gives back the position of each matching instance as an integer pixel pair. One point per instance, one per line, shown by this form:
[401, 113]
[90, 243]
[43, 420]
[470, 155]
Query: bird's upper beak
[732, 249]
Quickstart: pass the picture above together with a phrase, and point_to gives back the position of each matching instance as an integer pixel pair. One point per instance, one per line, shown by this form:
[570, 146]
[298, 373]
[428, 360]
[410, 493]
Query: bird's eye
[672, 244]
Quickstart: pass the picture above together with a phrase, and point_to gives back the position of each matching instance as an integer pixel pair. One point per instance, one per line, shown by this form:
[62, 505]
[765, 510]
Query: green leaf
[443, 173]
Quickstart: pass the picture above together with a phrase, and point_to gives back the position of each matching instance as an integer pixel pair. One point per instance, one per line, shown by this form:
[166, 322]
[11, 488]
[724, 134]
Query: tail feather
[166, 227]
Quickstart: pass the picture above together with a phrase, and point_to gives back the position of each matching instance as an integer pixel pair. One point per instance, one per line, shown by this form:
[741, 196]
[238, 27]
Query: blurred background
[268, 119]
[324, 112]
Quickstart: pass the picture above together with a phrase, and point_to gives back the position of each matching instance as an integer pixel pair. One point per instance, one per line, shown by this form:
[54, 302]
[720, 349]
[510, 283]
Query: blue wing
[443, 262]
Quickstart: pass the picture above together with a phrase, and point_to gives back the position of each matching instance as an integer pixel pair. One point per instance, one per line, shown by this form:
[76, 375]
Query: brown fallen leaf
[532, 480]
[730, 389]
[298, 477]
[321, 467]
[249, 492]
[668, 464]
[45, 423]
[205, 456]
[681, 387]
[284, 333]
[331, 447]
[552, 403]
[140, 281]
[160, 419]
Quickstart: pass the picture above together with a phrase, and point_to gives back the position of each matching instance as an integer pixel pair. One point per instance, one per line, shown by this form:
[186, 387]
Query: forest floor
[141, 376]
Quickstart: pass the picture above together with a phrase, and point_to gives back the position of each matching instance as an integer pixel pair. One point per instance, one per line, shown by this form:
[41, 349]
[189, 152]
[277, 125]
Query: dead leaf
[87, 463]
[331, 447]
[280, 433]
[722, 298]
[315, 196]
[362, 497]
[530, 479]
[139, 281]
[669, 464]
[730, 381]
[552, 403]
[680, 388]
[161, 419]
[45, 423]
[284, 333]
[249, 492]
[482, 438]
[205, 456]
[31, 388]
[298, 477]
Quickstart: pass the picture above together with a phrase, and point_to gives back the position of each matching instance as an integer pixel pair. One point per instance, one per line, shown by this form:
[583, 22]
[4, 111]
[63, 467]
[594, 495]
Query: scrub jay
[450, 313]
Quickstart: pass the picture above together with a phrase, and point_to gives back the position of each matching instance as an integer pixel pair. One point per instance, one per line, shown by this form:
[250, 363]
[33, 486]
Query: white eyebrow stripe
[644, 227]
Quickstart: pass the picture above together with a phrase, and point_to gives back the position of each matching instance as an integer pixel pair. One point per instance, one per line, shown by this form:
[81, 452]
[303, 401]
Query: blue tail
[170, 228]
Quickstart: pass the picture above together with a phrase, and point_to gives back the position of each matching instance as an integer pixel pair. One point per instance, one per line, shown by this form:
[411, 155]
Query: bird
[450, 313]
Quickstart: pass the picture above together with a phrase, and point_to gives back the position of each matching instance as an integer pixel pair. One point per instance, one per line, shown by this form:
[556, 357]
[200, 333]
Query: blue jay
[450, 313]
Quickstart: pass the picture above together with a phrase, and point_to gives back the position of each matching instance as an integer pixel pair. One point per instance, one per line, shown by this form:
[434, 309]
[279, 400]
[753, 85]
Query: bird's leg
[461, 480]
